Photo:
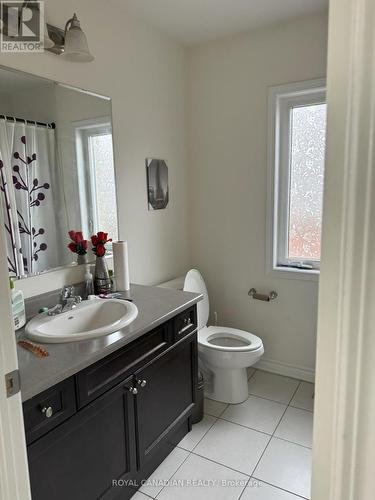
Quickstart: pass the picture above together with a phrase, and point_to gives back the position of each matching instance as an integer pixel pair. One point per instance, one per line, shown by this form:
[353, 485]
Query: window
[97, 178]
[297, 117]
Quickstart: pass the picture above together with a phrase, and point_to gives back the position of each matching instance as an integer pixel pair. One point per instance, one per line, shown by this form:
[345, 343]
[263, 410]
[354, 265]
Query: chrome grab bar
[260, 296]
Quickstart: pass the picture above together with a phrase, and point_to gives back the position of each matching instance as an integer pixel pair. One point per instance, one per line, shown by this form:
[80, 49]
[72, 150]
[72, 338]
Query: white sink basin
[89, 320]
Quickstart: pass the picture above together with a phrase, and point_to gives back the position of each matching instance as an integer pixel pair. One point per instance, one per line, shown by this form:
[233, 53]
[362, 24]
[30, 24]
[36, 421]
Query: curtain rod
[30, 122]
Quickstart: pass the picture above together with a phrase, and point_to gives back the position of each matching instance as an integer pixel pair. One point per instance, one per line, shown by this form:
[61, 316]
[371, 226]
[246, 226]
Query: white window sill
[295, 274]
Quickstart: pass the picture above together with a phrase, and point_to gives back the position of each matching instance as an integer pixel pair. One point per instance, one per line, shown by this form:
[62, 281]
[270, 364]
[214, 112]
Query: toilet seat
[228, 339]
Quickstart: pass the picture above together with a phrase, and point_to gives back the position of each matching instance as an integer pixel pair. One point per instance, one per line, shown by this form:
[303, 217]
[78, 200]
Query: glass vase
[81, 259]
[102, 281]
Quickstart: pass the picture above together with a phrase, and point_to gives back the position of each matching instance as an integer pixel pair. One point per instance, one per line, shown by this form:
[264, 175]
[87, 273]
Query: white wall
[228, 84]
[221, 219]
[145, 74]
[37, 103]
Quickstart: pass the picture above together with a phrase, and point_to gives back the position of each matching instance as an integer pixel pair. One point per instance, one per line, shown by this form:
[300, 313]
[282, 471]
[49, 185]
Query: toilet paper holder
[261, 296]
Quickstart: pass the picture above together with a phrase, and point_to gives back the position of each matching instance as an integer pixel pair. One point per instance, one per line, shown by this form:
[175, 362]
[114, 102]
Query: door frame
[344, 434]
[14, 472]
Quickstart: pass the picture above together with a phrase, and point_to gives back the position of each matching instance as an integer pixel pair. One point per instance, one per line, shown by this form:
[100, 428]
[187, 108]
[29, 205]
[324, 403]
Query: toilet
[224, 353]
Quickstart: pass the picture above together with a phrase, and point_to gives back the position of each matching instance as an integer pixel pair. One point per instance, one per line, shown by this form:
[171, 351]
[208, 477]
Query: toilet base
[228, 385]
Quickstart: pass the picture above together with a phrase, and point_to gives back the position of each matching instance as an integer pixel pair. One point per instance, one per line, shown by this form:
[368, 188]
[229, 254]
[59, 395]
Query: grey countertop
[155, 306]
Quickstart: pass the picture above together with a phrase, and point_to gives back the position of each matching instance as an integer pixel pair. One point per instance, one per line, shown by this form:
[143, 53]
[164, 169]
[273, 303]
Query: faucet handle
[67, 291]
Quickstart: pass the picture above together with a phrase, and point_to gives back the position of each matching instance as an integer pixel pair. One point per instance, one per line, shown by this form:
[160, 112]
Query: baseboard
[289, 370]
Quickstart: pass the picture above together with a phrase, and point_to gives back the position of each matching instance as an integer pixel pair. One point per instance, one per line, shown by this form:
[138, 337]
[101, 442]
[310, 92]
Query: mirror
[56, 170]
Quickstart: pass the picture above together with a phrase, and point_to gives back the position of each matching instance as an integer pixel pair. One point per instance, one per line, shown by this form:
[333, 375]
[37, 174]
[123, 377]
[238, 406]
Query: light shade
[47, 42]
[76, 48]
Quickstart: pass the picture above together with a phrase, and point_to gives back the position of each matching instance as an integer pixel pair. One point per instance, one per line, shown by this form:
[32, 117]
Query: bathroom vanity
[101, 415]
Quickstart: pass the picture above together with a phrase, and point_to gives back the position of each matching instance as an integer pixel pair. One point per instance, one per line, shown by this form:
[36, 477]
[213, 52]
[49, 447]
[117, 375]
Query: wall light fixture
[70, 43]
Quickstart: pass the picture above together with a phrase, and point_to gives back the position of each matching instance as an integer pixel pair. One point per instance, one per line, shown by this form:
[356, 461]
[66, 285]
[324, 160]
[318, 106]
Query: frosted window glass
[102, 154]
[308, 132]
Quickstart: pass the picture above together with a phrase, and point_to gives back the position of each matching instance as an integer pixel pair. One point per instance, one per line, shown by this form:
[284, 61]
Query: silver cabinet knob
[142, 383]
[133, 390]
[48, 411]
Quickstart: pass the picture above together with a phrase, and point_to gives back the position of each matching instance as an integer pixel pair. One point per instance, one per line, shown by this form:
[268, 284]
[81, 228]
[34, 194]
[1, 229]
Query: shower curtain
[27, 171]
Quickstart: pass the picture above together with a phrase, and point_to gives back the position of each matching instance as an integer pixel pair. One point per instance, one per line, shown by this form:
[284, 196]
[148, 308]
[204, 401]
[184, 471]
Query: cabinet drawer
[106, 373]
[185, 323]
[48, 409]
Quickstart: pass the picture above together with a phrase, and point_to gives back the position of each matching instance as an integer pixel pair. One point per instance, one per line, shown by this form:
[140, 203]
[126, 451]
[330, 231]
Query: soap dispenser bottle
[18, 306]
[89, 283]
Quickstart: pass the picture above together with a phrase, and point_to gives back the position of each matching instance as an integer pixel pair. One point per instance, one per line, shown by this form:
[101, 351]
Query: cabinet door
[167, 399]
[82, 457]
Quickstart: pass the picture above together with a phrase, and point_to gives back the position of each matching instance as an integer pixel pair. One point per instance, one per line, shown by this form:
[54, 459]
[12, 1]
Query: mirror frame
[108, 255]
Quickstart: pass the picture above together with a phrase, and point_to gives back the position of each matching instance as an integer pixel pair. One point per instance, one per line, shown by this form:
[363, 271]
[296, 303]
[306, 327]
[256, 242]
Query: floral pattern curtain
[27, 170]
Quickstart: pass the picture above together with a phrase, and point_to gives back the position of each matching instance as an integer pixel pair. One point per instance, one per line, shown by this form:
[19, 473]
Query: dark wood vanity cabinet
[109, 441]
[79, 459]
[167, 398]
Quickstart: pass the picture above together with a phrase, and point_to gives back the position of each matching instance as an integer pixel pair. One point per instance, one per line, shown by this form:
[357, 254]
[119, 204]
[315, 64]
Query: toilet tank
[175, 283]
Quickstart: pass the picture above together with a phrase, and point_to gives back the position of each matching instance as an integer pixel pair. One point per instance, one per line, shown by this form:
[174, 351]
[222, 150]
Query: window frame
[280, 101]
[84, 130]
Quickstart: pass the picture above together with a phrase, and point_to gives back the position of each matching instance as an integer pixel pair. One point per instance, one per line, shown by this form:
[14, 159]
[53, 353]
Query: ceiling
[196, 21]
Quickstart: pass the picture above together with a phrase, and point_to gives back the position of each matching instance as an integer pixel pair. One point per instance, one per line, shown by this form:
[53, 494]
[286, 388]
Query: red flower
[78, 244]
[100, 250]
[98, 241]
[72, 235]
[78, 237]
[72, 247]
[102, 237]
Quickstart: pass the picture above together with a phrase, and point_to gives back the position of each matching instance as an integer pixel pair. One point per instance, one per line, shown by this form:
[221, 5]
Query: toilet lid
[195, 283]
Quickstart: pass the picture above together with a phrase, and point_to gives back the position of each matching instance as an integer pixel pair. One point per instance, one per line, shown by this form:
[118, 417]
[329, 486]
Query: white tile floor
[257, 450]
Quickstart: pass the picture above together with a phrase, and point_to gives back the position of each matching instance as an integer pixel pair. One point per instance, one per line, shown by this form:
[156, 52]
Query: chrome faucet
[67, 301]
